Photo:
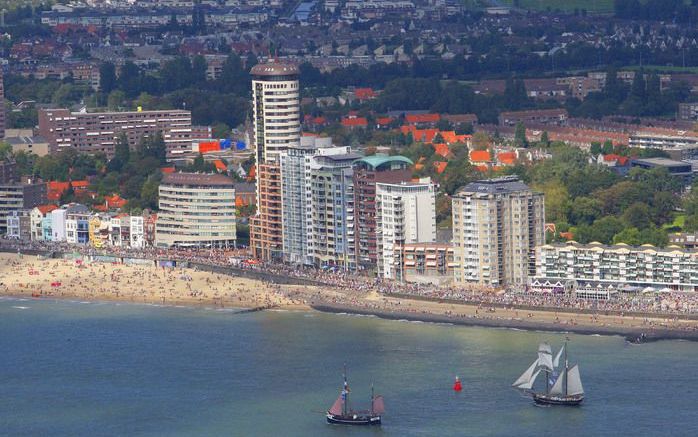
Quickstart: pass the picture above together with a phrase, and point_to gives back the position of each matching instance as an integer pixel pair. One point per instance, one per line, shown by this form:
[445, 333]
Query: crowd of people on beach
[352, 287]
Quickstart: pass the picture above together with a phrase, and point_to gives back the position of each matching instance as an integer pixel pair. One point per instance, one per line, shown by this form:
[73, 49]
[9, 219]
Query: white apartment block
[618, 266]
[276, 109]
[405, 213]
[296, 194]
[497, 223]
[196, 210]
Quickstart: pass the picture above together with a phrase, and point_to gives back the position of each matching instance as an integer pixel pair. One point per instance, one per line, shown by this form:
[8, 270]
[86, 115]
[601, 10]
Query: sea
[71, 368]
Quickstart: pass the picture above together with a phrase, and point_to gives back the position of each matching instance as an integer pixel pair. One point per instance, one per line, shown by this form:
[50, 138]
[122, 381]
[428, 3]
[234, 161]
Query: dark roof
[245, 187]
[505, 184]
[661, 162]
[217, 180]
[343, 157]
[274, 68]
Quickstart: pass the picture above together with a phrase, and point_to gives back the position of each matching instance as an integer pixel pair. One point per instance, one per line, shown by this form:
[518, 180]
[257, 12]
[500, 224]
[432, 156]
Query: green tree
[520, 135]
[584, 210]
[638, 215]
[198, 70]
[107, 77]
[595, 149]
[481, 141]
[116, 100]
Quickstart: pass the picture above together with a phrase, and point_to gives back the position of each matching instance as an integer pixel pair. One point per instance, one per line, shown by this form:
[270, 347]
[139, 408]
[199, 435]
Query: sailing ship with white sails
[563, 384]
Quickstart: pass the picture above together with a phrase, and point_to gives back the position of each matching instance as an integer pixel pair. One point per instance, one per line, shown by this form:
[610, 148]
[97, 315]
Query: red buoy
[457, 385]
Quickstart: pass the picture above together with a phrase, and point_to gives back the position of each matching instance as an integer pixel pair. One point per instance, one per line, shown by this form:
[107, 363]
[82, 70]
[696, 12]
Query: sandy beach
[30, 276]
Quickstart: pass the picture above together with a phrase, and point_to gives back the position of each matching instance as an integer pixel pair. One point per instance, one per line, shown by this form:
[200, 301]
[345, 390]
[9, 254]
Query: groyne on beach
[633, 335]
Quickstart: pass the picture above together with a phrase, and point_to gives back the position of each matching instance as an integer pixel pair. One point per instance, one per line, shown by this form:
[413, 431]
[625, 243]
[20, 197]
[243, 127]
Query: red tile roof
[45, 209]
[364, 93]
[355, 122]
[168, 170]
[219, 165]
[440, 166]
[508, 158]
[442, 150]
[383, 121]
[480, 156]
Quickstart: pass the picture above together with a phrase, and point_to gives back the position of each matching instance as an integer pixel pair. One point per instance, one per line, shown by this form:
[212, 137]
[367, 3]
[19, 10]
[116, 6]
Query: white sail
[527, 375]
[556, 361]
[527, 385]
[545, 356]
[558, 389]
[574, 382]
[545, 360]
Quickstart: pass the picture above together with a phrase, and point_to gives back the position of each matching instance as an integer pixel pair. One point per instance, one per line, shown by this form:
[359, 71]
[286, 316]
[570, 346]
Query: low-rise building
[619, 265]
[680, 145]
[37, 221]
[679, 169]
[427, 263]
[14, 196]
[19, 224]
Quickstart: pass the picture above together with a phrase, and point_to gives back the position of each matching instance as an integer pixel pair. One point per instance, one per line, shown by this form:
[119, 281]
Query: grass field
[593, 6]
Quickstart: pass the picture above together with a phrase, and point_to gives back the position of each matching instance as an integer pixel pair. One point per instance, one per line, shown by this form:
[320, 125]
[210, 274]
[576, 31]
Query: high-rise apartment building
[405, 213]
[93, 132]
[276, 116]
[497, 224]
[196, 210]
[369, 171]
[296, 195]
[276, 109]
[332, 240]
[266, 228]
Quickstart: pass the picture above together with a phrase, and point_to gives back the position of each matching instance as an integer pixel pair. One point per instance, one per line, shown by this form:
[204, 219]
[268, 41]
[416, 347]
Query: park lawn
[595, 6]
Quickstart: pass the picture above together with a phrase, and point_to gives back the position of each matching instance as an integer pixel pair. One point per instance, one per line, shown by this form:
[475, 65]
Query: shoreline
[629, 334]
[193, 286]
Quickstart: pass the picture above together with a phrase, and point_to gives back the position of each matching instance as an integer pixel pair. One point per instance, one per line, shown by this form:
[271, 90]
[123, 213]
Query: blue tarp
[240, 145]
[226, 143]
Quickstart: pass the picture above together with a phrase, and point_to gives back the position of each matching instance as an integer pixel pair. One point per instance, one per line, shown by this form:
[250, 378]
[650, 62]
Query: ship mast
[372, 399]
[345, 392]
[566, 367]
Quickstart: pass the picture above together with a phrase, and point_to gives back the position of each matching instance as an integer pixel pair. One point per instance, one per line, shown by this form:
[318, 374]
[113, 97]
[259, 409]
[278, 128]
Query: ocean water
[105, 369]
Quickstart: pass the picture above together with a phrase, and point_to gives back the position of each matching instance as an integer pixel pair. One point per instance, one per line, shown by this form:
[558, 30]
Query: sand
[30, 276]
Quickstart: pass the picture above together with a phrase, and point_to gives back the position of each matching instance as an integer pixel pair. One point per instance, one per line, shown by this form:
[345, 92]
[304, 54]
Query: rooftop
[661, 162]
[274, 68]
[216, 180]
[375, 161]
[504, 184]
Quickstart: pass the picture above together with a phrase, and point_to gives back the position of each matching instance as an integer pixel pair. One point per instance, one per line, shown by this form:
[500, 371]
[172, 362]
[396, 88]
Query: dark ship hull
[543, 399]
[353, 420]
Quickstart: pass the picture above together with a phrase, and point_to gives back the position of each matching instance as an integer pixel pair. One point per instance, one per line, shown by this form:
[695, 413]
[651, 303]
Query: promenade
[225, 279]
